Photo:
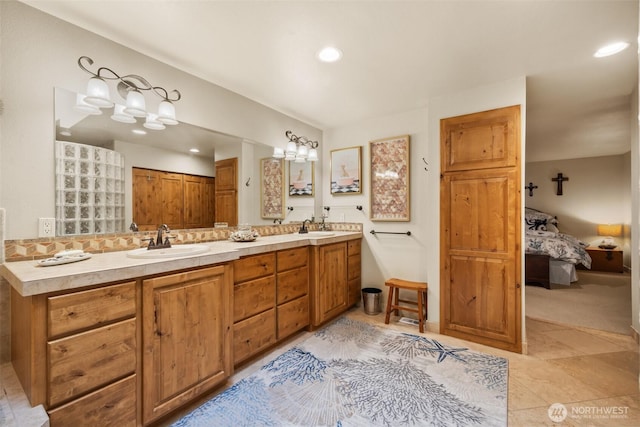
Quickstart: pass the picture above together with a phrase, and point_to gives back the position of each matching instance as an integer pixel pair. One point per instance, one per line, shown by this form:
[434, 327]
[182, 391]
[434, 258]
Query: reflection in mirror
[83, 207]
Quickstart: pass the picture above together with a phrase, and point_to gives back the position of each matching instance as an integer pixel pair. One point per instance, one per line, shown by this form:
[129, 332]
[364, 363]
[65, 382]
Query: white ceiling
[397, 55]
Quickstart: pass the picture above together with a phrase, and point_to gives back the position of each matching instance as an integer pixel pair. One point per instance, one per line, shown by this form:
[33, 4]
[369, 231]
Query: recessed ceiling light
[329, 54]
[611, 49]
[139, 132]
[194, 150]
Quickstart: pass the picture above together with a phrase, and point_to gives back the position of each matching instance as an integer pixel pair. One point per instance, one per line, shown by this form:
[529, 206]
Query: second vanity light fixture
[129, 87]
[300, 149]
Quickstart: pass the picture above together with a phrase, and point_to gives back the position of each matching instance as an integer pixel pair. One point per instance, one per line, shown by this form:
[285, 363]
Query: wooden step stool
[394, 300]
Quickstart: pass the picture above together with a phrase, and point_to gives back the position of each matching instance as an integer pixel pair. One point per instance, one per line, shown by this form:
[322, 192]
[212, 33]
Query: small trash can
[371, 300]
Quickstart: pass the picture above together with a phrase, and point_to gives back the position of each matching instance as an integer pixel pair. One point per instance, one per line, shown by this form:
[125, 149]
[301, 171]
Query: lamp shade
[278, 153]
[292, 149]
[135, 104]
[303, 152]
[153, 123]
[167, 113]
[98, 93]
[82, 107]
[611, 230]
[313, 155]
[120, 116]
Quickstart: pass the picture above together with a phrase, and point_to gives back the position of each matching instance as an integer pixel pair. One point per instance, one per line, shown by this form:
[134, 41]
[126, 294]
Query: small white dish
[64, 259]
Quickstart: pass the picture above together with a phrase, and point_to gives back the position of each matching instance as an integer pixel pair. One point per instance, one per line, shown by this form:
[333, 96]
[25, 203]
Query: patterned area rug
[353, 373]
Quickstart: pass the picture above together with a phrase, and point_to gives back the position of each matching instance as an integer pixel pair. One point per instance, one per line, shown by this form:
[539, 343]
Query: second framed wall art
[390, 179]
[346, 171]
[301, 179]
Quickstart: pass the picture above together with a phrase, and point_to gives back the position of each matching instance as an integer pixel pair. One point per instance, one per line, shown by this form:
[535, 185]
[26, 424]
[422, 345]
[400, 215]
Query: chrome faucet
[303, 227]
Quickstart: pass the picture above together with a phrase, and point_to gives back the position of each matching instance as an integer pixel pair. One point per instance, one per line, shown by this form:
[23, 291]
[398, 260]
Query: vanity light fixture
[194, 150]
[299, 149]
[130, 87]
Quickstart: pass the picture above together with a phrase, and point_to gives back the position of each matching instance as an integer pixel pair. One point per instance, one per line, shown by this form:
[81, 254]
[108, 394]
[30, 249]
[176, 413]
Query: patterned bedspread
[557, 245]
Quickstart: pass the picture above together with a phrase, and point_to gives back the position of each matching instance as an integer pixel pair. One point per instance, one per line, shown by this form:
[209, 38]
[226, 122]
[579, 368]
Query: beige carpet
[597, 300]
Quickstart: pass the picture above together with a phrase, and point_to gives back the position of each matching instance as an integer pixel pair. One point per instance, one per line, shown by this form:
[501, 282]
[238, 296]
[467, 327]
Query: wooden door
[329, 281]
[147, 205]
[209, 201]
[480, 228]
[226, 205]
[186, 337]
[194, 208]
[172, 193]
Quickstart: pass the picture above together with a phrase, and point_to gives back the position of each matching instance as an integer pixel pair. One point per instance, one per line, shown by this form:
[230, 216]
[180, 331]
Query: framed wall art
[301, 179]
[272, 186]
[346, 171]
[390, 179]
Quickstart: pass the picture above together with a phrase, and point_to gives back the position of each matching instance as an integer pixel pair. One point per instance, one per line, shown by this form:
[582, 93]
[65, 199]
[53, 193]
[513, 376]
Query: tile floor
[594, 374]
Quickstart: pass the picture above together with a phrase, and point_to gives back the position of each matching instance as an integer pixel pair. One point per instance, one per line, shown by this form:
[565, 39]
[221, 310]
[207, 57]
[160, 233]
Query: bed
[551, 256]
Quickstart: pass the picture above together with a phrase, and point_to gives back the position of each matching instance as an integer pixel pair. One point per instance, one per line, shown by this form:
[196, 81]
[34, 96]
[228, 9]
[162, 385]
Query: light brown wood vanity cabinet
[131, 352]
[76, 353]
[186, 336]
[335, 279]
[271, 299]
[127, 353]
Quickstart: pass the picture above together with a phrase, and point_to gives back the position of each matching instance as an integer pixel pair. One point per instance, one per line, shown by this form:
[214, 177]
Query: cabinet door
[172, 193]
[186, 337]
[226, 204]
[330, 290]
[194, 201]
[147, 203]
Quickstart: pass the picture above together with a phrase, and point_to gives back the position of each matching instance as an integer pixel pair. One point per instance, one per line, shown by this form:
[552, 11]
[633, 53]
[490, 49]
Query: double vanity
[126, 338]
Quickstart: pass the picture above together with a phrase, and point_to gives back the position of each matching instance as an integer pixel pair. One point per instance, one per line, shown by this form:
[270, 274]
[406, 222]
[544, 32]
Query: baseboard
[635, 335]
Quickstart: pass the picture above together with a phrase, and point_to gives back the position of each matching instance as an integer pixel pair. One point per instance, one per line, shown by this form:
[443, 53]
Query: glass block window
[89, 189]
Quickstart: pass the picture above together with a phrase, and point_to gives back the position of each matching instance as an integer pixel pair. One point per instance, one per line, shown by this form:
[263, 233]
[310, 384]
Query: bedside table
[606, 259]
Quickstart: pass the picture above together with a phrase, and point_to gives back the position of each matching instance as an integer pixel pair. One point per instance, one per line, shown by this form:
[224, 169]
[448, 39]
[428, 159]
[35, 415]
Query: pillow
[552, 228]
[536, 220]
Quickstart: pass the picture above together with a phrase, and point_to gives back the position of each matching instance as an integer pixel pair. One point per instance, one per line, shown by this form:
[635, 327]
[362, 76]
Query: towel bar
[374, 232]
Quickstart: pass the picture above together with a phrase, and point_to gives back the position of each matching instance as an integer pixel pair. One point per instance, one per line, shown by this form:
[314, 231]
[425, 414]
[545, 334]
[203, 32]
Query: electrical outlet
[46, 227]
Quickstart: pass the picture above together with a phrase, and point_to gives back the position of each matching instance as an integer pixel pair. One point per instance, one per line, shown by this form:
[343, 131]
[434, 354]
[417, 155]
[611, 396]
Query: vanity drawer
[293, 316]
[253, 335]
[353, 247]
[353, 267]
[293, 258]
[253, 297]
[88, 309]
[114, 404]
[292, 284]
[253, 267]
[88, 360]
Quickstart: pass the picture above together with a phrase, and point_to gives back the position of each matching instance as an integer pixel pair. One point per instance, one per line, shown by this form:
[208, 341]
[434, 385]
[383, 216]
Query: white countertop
[29, 278]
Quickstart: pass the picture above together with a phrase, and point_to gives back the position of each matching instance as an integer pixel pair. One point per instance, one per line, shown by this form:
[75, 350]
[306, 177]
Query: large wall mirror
[103, 203]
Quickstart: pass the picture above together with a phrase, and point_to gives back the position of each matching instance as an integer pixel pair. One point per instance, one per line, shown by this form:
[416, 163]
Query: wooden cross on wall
[559, 179]
[531, 187]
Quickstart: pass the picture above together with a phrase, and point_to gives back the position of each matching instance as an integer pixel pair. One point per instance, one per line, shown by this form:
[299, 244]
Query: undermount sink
[317, 233]
[176, 251]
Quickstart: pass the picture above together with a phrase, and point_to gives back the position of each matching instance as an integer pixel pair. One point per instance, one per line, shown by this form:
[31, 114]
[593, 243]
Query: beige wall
[597, 193]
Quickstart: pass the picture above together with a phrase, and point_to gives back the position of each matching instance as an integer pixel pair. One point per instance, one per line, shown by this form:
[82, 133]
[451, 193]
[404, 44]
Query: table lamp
[609, 231]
